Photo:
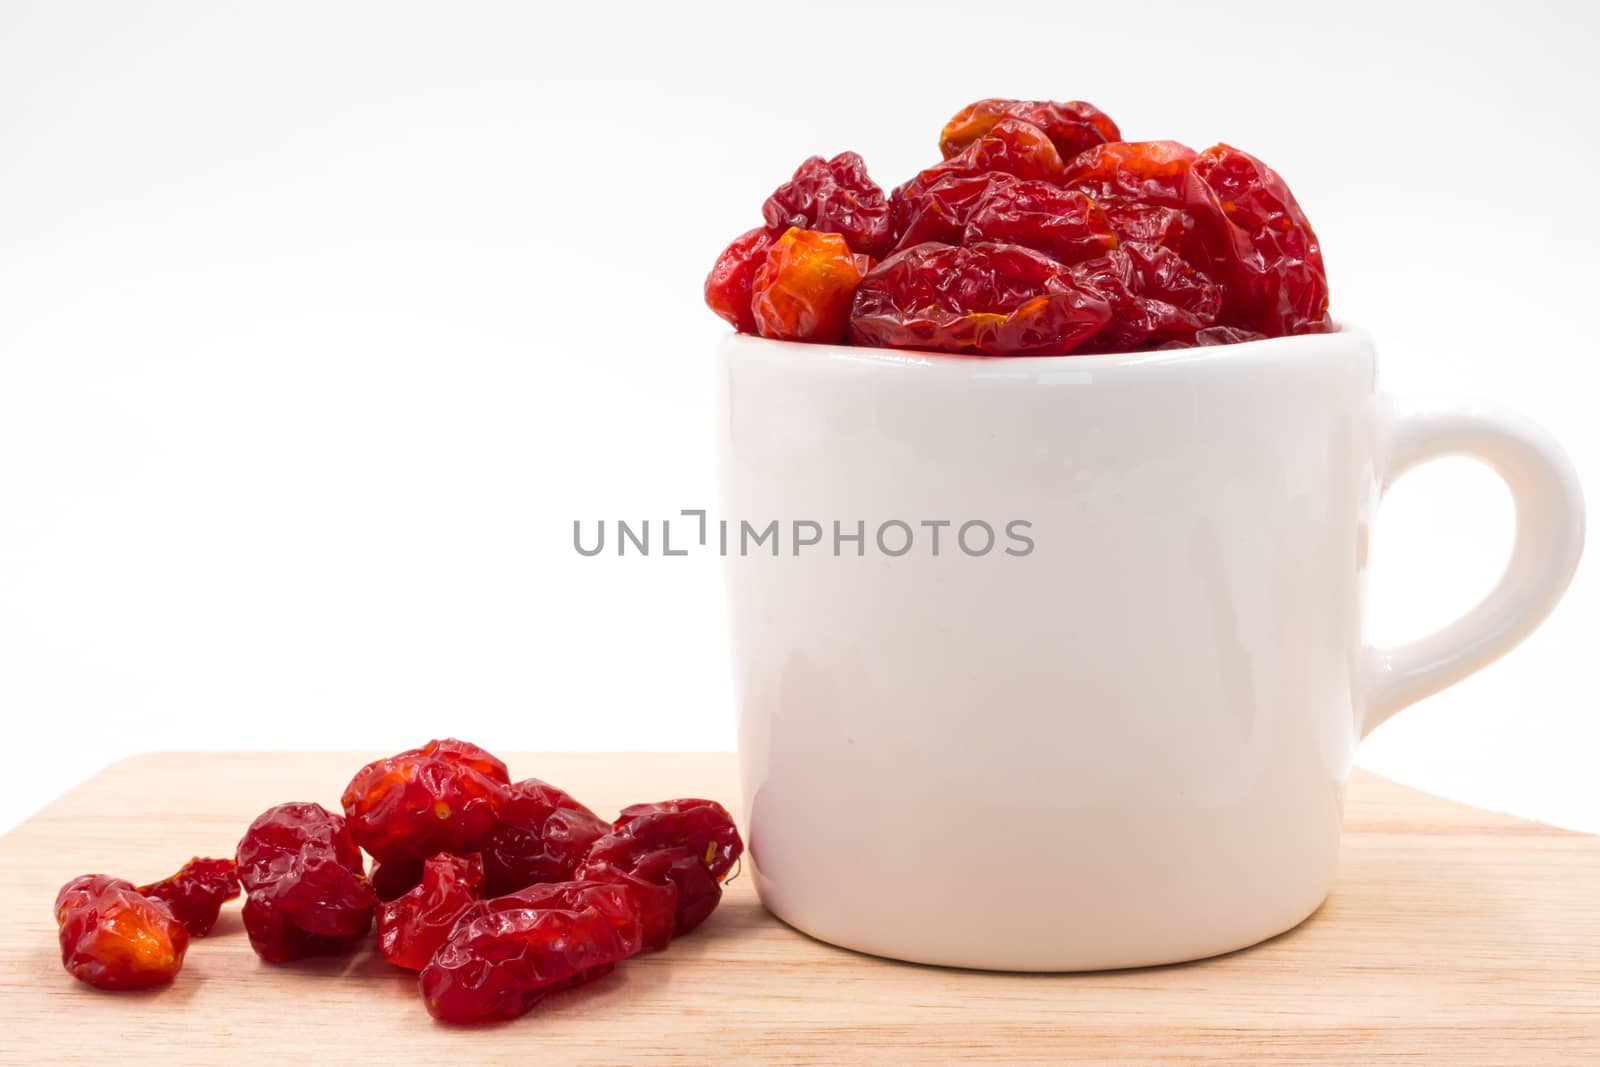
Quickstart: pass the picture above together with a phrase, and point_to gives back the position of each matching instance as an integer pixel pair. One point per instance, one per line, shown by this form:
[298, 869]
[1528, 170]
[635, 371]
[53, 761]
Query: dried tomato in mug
[1011, 146]
[989, 299]
[1275, 280]
[1073, 126]
[732, 278]
[833, 196]
[803, 290]
[1155, 296]
[1063, 224]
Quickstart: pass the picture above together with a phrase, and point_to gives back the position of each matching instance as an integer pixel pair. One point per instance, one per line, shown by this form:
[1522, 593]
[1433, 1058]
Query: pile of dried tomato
[497, 893]
[1042, 232]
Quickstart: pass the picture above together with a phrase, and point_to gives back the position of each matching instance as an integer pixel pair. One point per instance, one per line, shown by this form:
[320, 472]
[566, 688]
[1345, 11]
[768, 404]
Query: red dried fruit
[1063, 224]
[413, 926]
[197, 892]
[833, 196]
[114, 937]
[84, 889]
[1150, 195]
[501, 960]
[542, 836]
[1011, 146]
[441, 797]
[732, 277]
[1275, 280]
[1155, 297]
[803, 290]
[989, 299]
[674, 855]
[1073, 127]
[939, 212]
[305, 891]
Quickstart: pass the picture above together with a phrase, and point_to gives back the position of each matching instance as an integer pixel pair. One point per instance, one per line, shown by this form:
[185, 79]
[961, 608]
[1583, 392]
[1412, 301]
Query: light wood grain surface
[1455, 936]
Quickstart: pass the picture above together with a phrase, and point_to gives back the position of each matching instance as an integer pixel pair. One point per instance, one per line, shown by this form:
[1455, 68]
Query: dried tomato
[1155, 297]
[1150, 195]
[413, 926]
[197, 892]
[1073, 127]
[504, 956]
[733, 275]
[1275, 280]
[803, 290]
[939, 211]
[305, 891]
[542, 836]
[114, 937]
[441, 797]
[833, 196]
[1011, 146]
[989, 299]
[674, 855]
[1063, 224]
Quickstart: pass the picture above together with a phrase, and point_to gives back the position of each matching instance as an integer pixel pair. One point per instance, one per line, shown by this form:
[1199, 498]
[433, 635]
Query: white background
[320, 323]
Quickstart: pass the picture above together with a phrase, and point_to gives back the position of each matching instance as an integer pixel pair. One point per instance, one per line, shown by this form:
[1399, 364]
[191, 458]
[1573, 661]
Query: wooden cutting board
[1455, 936]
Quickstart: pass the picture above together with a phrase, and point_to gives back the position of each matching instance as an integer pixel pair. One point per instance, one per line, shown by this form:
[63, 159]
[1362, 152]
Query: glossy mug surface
[1120, 735]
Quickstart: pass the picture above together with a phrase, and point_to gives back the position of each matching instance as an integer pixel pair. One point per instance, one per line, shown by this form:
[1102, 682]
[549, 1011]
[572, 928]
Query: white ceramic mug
[1127, 744]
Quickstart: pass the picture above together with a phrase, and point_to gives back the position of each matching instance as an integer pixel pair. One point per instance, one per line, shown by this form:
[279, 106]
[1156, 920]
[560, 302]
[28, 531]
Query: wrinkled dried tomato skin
[114, 937]
[412, 927]
[1156, 297]
[306, 893]
[441, 797]
[542, 836]
[673, 855]
[197, 892]
[1073, 126]
[1275, 280]
[84, 889]
[989, 299]
[733, 276]
[803, 290]
[1011, 146]
[499, 964]
[833, 196]
[1063, 224]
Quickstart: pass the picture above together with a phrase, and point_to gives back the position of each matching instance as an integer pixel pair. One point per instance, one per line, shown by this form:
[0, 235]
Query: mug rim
[1268, 348]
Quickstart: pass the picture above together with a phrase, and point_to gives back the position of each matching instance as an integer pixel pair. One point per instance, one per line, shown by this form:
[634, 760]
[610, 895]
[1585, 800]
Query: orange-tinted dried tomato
[413, 926]
[803, 290]
[1073, 127]
[542, 836]
[989, 299]
[1275, 280]
[733, 276]
[674, 855]
[305, 891]
[441, 797]
[833, 196]
[114, 937]
[504, 956]
[197, 892]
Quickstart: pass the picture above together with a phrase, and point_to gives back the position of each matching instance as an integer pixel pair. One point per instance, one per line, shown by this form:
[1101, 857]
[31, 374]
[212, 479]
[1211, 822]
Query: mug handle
[1549, 504]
